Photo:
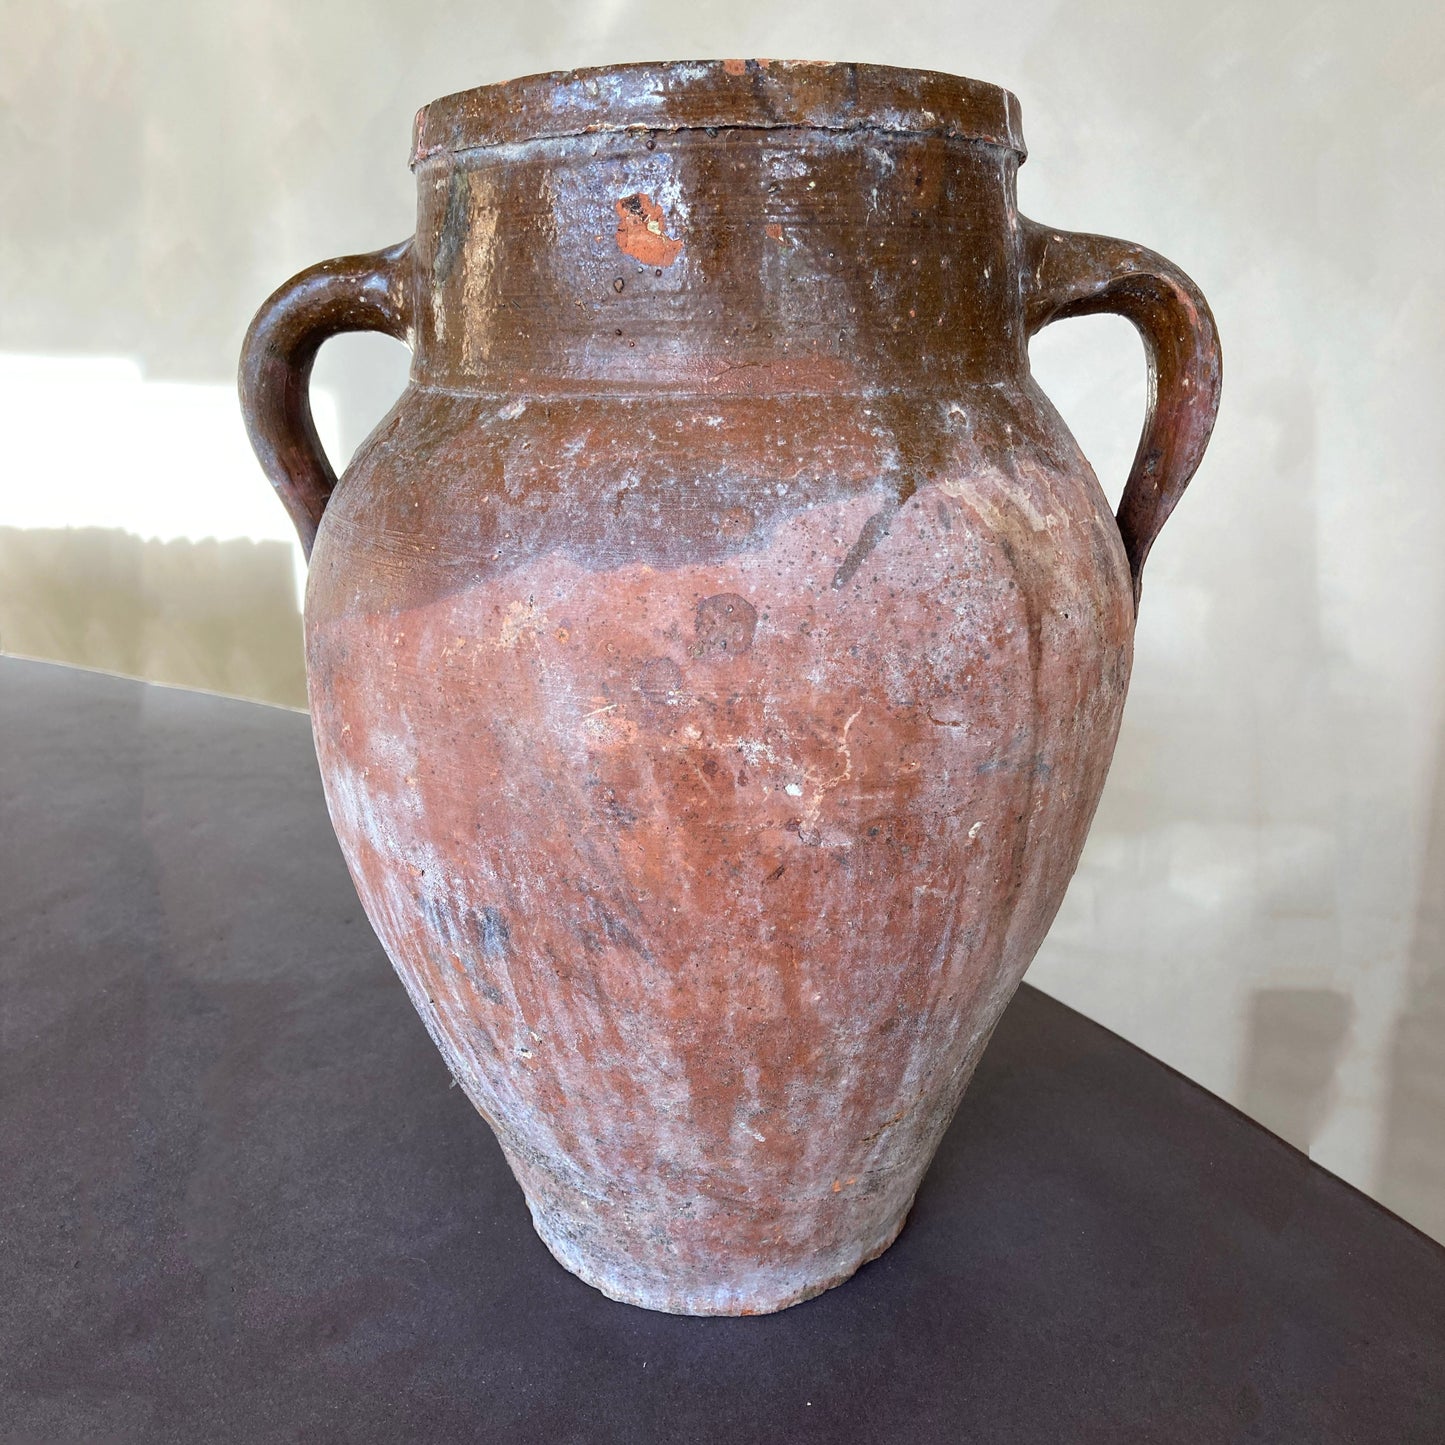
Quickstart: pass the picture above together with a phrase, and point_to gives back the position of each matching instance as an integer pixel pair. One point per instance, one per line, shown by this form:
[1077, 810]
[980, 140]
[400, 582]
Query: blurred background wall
[1262, 901]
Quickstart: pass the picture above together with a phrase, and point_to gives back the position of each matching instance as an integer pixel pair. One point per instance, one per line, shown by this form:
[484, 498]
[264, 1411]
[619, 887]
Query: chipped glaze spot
[642, 232]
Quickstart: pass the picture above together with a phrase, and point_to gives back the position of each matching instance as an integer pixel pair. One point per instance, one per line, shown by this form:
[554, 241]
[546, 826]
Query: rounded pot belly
[711, 877]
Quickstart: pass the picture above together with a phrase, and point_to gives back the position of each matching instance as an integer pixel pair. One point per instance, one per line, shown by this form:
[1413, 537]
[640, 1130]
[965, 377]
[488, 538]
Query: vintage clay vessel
[716, 654]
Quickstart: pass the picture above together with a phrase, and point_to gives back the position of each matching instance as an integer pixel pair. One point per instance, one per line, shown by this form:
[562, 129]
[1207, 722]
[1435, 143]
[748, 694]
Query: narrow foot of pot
[758, 1288]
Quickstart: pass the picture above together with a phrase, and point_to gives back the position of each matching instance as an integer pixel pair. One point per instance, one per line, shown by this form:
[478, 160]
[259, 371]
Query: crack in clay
[824, 786]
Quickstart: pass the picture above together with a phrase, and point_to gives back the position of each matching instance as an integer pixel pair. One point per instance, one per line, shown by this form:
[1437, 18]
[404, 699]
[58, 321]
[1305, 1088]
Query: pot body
[715, 661]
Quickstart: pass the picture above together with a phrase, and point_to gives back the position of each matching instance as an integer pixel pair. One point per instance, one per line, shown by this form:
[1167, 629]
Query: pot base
[761, 1291]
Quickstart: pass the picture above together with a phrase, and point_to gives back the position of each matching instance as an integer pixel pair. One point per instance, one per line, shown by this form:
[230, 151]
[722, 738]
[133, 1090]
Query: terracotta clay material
[717, 653]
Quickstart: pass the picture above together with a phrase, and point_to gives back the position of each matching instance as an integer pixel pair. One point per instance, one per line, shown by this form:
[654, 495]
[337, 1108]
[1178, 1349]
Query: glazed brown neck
[771, 259]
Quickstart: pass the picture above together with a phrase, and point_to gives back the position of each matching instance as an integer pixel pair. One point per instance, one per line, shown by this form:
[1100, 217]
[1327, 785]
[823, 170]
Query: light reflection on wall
[137, 533]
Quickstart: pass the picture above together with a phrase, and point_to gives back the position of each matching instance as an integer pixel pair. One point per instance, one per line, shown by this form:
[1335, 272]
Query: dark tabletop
[240, 1201]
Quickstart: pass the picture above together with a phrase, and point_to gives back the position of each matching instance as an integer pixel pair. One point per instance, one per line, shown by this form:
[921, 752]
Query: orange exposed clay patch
[642, 232]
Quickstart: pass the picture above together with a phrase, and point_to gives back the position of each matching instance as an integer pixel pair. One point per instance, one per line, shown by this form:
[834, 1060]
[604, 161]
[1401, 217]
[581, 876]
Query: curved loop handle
[355, 293]
[1078, 275]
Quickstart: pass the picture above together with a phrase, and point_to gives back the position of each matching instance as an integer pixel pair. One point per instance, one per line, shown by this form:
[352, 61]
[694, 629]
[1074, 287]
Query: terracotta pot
[716, 655]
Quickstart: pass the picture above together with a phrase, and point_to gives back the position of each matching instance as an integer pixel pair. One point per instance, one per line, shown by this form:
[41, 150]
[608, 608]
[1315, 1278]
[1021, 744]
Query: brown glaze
[717, 653]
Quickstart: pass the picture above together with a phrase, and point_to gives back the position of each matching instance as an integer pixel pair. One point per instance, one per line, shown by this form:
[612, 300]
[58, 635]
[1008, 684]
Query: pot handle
[1068, 274]
[354, 293]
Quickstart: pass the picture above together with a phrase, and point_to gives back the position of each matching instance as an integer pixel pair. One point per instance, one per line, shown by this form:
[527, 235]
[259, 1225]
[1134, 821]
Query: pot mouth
[680, 95]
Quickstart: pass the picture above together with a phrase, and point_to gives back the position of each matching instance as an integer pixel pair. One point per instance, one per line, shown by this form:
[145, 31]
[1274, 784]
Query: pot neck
[719, 260]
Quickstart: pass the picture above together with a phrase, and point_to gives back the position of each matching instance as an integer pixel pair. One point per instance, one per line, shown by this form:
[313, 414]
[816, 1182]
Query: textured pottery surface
[716, 655]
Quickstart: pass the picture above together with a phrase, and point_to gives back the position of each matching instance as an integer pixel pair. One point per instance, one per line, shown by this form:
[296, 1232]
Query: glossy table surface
[241, 1200]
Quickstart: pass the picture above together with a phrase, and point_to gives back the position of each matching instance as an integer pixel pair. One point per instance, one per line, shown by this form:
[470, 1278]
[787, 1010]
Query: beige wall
[1261, 901]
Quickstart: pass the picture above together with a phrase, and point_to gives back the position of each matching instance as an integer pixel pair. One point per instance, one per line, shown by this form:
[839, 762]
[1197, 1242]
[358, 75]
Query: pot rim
[680, 95]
